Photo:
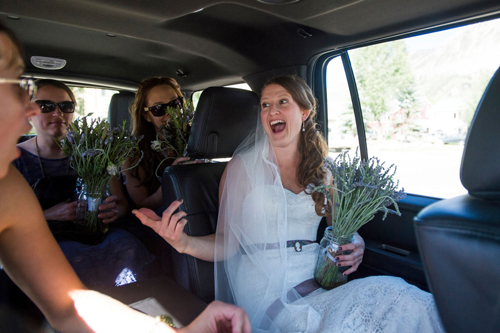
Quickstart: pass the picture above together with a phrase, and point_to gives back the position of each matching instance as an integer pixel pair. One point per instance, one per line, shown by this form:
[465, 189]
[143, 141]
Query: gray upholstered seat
[119, 108]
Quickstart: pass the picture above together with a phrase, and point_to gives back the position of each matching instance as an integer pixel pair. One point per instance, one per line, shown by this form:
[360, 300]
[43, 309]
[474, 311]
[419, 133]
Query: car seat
[119, 109]
[459, 238]
[223, 118]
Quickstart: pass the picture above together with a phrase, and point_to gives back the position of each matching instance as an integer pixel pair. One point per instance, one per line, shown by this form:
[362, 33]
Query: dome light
[47, 63]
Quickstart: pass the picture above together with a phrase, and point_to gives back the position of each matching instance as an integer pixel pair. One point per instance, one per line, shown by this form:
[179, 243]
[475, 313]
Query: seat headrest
[223, 118]
[119, 109]
[480, 170]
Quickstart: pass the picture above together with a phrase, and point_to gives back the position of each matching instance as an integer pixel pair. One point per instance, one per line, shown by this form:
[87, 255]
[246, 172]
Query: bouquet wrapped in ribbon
[96, 152]
[359, 189]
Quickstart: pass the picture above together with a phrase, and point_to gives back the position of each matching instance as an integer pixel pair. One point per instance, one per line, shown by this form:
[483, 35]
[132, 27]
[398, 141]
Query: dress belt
[303, 289]
[296, 244]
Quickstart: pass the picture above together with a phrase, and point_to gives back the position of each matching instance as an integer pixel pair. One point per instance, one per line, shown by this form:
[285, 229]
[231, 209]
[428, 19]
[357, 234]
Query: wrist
[184, 247]
[51, 215]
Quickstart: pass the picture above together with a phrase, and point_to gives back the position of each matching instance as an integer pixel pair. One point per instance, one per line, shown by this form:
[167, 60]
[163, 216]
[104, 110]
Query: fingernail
[338, 265]
[340, 248]
[180, 200]
[337, 258]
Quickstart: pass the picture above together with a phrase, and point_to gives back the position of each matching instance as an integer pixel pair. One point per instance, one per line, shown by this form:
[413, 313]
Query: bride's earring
[303, 127]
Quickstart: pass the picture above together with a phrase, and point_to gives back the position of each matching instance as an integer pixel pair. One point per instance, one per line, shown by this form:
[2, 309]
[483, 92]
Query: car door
[388, 100]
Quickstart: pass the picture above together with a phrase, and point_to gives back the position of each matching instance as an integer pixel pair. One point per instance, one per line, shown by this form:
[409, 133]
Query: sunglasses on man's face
[49, 106]
[160, 109]
[28, 85]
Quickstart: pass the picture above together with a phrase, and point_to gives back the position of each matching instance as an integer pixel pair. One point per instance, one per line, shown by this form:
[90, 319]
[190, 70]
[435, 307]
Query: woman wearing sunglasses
[97, 260]
[42, 159]
[148, 111]
[29, 253]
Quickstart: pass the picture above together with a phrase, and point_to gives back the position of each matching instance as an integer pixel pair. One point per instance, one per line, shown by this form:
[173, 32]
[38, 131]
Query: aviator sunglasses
[160, 109]
[27, 85]
[49, 106]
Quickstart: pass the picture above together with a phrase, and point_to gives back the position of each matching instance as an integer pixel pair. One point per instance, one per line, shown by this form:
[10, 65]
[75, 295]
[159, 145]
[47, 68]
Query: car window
[342, 133]
[196, 95]
[418, 96]
[93, 100]
[90, 100]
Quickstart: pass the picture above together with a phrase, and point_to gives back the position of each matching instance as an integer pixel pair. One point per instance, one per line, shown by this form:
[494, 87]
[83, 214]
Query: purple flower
[91, 152]
[71, 137]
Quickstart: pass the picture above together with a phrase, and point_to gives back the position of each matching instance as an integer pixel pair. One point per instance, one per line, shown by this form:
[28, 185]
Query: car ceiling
[214, 42]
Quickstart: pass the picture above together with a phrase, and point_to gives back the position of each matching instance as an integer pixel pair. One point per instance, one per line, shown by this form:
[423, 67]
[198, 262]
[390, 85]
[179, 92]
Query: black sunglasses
[49, 106]
[160, 109]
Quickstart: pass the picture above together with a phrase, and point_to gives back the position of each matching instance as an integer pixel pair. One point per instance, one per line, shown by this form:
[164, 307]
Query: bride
[264, 245]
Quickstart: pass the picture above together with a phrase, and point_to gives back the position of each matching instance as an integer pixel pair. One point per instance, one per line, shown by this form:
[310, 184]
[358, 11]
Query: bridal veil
[251, 242]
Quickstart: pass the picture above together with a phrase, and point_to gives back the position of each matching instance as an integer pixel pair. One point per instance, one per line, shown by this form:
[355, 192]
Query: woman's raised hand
[354, 259]
[63, 211]
[170, 226]
[109, 210]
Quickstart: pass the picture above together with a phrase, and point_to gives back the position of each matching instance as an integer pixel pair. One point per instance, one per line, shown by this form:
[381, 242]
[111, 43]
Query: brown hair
[20, 50]
[56, 84]
[140, 126]
[312, 147]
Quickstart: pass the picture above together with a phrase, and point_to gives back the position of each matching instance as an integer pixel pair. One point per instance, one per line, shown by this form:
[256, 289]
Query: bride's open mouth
[277, 126]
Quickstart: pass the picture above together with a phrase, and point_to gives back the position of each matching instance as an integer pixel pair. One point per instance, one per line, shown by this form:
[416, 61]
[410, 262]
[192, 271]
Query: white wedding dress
[374, 304]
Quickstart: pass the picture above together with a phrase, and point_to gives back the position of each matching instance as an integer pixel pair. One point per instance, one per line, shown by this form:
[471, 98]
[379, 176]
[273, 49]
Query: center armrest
[180, 304]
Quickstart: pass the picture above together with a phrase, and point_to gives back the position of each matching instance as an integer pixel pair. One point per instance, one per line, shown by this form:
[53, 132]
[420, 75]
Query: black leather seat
[459, 238]
[119, 109]
[223, 118]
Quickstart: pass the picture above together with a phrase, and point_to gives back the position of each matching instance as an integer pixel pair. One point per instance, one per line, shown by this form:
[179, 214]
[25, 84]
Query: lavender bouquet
[172, 138]
[359, 190]
[96, 152]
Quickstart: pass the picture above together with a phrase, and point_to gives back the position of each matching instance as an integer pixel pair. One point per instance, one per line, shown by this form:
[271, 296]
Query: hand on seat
[187, 160]
[220, 317]
[181, 160]
[170, 226]
[354, 259]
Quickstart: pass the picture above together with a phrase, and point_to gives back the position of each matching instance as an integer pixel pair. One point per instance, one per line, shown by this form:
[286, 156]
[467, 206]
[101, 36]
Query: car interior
[447, 238]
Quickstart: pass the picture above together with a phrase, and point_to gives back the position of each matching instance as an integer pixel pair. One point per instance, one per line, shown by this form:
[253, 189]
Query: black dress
[120, 258]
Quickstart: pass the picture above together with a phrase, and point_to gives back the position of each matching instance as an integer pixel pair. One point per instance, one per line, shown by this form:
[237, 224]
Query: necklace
[40, 160]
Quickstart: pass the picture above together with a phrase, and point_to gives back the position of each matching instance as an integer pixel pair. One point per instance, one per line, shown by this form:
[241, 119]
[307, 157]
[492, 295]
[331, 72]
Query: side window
[418, 96]
[90, 100]
[342, 134]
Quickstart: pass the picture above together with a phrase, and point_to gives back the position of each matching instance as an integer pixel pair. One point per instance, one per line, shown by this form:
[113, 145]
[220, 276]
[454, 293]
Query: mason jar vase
[327, 274]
